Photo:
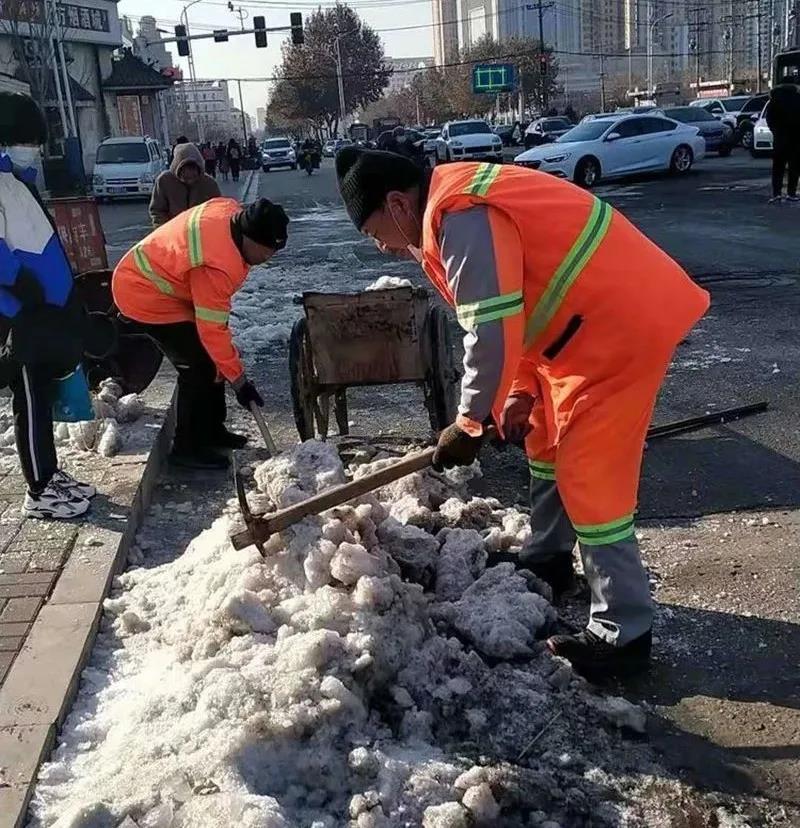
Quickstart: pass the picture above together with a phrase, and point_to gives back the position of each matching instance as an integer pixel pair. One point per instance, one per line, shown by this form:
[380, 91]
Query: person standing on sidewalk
[234, 158]
[566, 345]
[210, 157]
[783, 119]
[41, 321]
[178, 283]
[182, 186]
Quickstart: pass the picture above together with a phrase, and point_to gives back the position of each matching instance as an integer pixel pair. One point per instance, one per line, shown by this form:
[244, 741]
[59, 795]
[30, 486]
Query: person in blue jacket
[41, 321]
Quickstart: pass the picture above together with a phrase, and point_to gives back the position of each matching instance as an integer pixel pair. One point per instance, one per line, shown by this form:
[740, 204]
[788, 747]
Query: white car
[431, 137]
[762, 137]
[278, 152]
[614, 146]
[127, 167]
[723, 109]
[468, 141]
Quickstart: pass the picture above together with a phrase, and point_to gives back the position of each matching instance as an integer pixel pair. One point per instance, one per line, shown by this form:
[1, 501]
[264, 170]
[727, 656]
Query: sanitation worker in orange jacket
[178, 283]
[571, 318]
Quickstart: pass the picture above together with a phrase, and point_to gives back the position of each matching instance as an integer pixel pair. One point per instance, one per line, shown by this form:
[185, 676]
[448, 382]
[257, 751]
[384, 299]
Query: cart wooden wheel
[441, 383]
[301, 379]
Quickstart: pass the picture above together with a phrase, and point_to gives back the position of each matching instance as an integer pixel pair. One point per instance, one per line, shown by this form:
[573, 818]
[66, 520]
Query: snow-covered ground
[368, 671]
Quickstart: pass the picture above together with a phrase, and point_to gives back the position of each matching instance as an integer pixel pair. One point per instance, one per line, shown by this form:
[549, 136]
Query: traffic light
[296, 19]
[260, 25]
[183, 43]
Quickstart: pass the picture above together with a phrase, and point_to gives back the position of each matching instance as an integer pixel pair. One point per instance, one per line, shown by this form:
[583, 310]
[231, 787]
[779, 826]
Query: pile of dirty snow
[105, 435]
[388, 283]
[369, 671]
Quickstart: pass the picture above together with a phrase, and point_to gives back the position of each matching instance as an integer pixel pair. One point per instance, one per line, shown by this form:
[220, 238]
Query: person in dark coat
[42, 322]
[234, 158]
[783, 118]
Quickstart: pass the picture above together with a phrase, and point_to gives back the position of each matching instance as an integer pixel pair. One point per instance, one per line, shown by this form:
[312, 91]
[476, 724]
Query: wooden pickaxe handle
[263, 527]
[255, 410]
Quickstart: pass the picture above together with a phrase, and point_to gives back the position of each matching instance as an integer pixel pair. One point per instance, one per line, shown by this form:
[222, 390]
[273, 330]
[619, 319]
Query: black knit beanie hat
[366, 177]
[21, 120]
[265, 223]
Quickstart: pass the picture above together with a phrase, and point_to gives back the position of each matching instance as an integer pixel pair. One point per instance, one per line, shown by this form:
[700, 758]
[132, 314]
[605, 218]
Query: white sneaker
[67, 481]
[54, 502]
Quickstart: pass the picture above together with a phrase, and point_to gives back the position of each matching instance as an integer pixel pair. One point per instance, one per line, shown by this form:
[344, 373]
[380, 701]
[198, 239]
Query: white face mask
[23, 156]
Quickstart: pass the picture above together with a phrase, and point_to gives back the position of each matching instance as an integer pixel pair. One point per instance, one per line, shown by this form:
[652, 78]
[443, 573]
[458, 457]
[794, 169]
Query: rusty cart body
[377, 337]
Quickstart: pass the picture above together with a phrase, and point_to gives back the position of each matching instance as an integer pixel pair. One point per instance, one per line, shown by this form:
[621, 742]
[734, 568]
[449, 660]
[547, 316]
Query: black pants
[235, 167]
[783, 157]
[31, 389]
[201, 399]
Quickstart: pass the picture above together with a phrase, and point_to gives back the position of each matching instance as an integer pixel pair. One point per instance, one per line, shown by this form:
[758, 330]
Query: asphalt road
[719, 515]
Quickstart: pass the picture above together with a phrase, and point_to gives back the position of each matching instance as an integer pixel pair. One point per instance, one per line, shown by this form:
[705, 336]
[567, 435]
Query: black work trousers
[32, 402]
[784, 156]
[201, 398]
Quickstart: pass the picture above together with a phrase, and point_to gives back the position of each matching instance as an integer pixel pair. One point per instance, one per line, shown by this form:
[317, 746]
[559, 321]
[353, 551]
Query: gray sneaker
[54, 503]
[67, 481]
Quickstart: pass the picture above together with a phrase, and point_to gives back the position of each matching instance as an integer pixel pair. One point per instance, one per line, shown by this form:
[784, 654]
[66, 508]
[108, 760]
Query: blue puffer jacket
[42, 321]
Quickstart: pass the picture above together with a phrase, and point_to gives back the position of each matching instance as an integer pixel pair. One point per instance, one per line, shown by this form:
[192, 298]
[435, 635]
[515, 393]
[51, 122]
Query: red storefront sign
[78, 224]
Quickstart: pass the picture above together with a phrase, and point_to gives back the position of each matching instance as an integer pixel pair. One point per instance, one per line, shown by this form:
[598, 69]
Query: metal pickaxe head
[251, 521]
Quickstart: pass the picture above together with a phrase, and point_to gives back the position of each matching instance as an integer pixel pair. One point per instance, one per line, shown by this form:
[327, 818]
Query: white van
[127, 167]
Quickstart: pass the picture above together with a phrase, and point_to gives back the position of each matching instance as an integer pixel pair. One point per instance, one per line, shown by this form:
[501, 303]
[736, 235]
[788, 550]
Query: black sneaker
[597, 659]
[228, 440]
[202, 458]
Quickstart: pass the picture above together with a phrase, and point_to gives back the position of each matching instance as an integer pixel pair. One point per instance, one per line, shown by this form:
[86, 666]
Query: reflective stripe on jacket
[187, 269]
[554, 288]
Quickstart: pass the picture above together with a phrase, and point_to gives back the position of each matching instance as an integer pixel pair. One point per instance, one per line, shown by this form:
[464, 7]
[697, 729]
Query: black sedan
[546, 130]
[718, 136]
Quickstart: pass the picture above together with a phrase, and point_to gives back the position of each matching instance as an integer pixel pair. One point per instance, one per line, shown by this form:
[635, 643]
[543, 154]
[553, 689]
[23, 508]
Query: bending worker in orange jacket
[178, 283]
[571, 318]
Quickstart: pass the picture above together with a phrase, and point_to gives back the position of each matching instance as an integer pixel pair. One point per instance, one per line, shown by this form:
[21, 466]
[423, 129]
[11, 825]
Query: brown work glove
[515, 419]
[455, 448]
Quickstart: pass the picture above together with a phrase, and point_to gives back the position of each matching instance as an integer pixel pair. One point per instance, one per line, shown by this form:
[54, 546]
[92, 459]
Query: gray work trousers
[621, 608]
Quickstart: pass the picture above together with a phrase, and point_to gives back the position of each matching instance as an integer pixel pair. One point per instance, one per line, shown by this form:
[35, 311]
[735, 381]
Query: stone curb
[40, 687]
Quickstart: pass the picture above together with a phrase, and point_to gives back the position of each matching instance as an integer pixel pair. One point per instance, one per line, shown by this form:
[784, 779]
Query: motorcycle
[308, 161]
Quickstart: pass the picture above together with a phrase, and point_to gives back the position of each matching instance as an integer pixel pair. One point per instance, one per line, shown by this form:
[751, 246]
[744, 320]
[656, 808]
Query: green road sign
[492, 78]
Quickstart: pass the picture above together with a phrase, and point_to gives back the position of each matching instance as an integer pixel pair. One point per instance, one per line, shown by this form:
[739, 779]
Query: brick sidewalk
[32, 553]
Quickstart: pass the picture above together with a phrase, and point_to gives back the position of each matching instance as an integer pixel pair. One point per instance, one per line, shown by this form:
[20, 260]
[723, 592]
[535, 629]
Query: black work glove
[247, 393]
[456, 448]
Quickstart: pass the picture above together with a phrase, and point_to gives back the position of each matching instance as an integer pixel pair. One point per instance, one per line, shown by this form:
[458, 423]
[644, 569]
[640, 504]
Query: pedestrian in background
[41, 319]
[783, 118]
[234, 158]
[210, 158]
[182, 186]
[224, 165]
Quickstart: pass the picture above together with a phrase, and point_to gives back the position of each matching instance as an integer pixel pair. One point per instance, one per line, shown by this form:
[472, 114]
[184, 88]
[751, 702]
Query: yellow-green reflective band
[210, 315]
[541, 470]
[195, 241]
[604, 533]
[472, 314]
[147, 271]
[568, 271]
[483, 179]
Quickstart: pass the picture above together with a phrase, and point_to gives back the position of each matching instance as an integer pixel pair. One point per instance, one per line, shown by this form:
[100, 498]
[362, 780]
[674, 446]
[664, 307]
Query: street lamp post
[651, 27]
[192, 76]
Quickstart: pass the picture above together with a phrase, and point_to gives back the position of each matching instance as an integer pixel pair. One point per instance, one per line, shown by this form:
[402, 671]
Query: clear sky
[239, 57]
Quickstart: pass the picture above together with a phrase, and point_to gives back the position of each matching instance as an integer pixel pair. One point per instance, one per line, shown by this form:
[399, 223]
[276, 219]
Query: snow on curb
[317, 687]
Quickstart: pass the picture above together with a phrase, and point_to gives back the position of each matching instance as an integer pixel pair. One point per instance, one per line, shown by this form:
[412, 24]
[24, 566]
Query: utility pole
[242, 15]
[192, 75]
[760, 50]
[602, 82]
[696, 12]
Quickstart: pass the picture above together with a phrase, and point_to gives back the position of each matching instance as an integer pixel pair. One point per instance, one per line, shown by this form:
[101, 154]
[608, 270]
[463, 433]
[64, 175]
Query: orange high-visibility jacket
[560, 295]
[188, 270]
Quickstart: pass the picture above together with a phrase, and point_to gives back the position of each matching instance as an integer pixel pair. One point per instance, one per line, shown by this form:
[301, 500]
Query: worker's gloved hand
[456, 448]
[515, 419]
[247, 393]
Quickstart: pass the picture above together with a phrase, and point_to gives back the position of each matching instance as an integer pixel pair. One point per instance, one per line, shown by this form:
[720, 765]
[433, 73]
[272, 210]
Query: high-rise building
[603, 26]
[261, 117]
[445, 32]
